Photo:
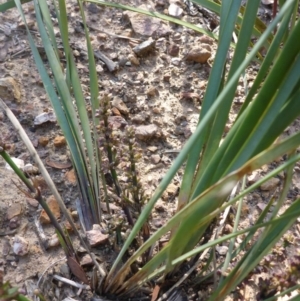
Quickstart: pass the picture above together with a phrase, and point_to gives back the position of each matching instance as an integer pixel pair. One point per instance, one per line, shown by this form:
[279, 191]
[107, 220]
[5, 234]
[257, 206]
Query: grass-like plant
[214, 163]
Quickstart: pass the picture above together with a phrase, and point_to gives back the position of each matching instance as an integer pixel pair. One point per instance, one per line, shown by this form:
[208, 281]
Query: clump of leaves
[214, 165]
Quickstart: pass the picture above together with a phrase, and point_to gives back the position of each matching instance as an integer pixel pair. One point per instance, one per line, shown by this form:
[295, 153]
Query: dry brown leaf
[155, 293]
[58, 165]
[77, 270]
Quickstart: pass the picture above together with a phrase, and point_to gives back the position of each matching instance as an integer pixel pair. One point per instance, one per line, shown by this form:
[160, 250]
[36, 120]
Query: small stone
[159, 206]
[40, 182]
[86, 260]
[43, 141]
[206, 40]
[222, 250]
[139, 118]
[146, 132]
[53, 241]
[30, 169]
[19, 278]
[120, 105]
[175, 11]
[44, 117]
[115, 111]
[76, 53]
[93, 8]
[101, 36]
[20, 246]
[68, 226]
[152, 149]
[59, 141]
[133, 60]
[172, 189]
[99, 69]
[254, 177]
[173, 50]
[156, 110]
[127, 33]
[152, 91]
[116, 122]
[9, 89]
[32, 202]
[70, 177]
[167, 77]
[74, 214]
[65, 270]
[54, 207]
[270, 185]
[176, 61]
[13, 211]
[155, 159]
[157, 222]
[227, 229]
[95, 236]
[144, 48]
[199, 54]
[261, 206]
[18, 162]
[9, 65]
[14, 223]
[160, 2]
[146, 25]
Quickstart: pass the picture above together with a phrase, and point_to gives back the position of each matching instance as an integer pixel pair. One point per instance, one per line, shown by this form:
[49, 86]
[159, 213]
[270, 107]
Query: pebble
[176, 61]
[152, 149]
[206, 40]
[86, 260]
[93, 8]
[20, 246]
[9, 89]
[45, 117]
[155, 158]
[152, 91]
[120, 105]
[175, 11]
[43, 141]
[17, 161]
[70, 177]
[95, 236]
[199, 54]
[222, 250]
[53, 241]
[146, 25]
[30, 169]
[32, 202]
[14, 223]
[99, 69]
[101, 36]
[145, 48]
[59, 141]
[40, 182]
[133, 60]
[159, 206]
[117, 122]
[146, 132]
[254, 177]
[54, 207]
[13, 211]
[172, 189]
[173, 50]
[270, 185]
[166, 77]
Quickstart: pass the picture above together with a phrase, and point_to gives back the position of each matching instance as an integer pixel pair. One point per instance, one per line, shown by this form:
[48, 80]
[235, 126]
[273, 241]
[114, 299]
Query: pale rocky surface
[158, 90]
